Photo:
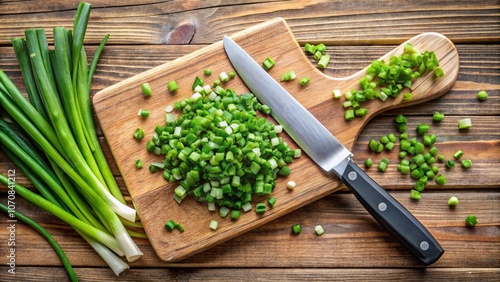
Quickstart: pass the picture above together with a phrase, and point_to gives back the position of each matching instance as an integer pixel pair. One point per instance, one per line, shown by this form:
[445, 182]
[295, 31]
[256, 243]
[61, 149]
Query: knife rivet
[352, 175]
[424, 245]
[382, 206]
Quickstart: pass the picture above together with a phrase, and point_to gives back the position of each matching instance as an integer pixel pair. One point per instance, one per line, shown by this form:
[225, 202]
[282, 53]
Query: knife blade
[326, 151]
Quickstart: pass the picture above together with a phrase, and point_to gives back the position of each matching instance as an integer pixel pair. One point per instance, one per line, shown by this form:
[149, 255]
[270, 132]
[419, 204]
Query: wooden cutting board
[117, 106]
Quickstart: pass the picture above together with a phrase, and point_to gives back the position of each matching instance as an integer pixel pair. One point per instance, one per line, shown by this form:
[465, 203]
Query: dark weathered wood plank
[30, 273]
[336, 22]
[479, 70]
[351, 239]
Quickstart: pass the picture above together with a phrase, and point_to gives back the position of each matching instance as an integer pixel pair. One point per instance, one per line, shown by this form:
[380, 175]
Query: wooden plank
[352, 239]
[150, 194]
[30, 273]
[202, 22]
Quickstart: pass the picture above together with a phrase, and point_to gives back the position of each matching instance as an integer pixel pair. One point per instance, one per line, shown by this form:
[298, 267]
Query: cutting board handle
[317, 96]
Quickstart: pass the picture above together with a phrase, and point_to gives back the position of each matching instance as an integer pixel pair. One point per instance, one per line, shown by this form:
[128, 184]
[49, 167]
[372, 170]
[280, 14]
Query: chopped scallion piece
[323, 61]
[197, 82]
[453, 201]
[138, 163]
[319, 229]
[296, 229]
[268, 63]
[260, 208]
[437, 117]
[422, 128]
[271, 201]
[146, 89]
[482, 95]
[143, 113]
[438, 72]
[458, 154]
[466, 163]
[290, 185]
[471, 220]
[415, 195]
[288, 76]
[337, 94]
[139, 134]
[304, 81]
[441, 180]
[213, 224]
[368, 163]
[207, 72]
[172, 86]
[464, 123]
[170, 225]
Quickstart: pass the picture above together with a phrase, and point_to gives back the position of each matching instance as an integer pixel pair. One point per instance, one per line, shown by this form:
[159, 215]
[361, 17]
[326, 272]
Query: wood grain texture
[153, 196]
[352, 238]
[332, 22]
[141, 34]
[31, 273]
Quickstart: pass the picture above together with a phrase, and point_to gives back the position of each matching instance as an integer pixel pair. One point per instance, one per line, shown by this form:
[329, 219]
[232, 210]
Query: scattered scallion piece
[323, 61]
[144, 113]
[288, 76]
[337, 94]
[368, 163]
[290, 185]
[465, 123]
[207, 72]
[437, 117]
[441, 179]
[407, 96]
[172, 86]
[466, 163]
[170, 225]
[415, 195]
[422, 128]
[319, 229]
[458, 154]
[235, 214]
[146, 89]
[139, 134]
[439, 72]
[260, 208]
[138, 163]
[197, 82]
[450, 163]
[271, 201]
[304, 81]
[296, 229]
[471, 220]
[482, 95]
[453, 201]
[268, 63]
[223, 77]
[213, 224]
[231, 74]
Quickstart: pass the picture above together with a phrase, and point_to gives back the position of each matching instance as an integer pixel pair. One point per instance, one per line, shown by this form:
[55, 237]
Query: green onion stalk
[70, 172]
[57, 248]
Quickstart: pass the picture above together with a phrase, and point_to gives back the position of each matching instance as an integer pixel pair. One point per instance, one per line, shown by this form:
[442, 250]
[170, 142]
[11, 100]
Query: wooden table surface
[145, 34]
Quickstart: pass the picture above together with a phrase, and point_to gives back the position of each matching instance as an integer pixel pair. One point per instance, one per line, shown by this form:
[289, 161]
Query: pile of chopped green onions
[418, 155]
[67, 166]
[389, 79]
[220, 150]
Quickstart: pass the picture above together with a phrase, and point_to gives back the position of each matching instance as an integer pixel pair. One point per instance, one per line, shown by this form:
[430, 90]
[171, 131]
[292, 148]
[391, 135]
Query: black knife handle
[392, 215]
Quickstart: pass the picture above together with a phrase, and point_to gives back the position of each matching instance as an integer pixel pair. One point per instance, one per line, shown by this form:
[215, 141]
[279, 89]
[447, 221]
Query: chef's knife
[324, 149]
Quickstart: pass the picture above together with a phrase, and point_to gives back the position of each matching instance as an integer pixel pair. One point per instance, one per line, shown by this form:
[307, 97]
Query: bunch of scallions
[51, 138]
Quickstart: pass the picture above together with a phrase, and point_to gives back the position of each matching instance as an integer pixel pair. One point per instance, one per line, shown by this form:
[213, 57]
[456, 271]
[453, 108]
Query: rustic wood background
[146, 34]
